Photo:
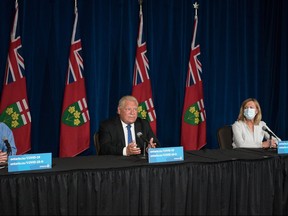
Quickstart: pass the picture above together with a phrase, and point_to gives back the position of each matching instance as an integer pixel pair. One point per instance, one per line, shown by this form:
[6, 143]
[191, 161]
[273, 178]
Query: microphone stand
[144, 156]
[270, 141]
[144, 151]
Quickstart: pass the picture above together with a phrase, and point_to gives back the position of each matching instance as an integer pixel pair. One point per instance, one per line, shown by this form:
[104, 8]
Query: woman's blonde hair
[258, 116]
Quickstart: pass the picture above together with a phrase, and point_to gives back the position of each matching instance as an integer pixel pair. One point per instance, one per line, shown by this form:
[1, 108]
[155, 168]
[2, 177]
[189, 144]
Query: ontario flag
[14, 106]
[141, 81]
[75, 120]
[193, 130]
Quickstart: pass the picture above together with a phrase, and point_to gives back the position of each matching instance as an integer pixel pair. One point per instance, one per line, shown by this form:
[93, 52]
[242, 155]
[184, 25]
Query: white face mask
[249, 113]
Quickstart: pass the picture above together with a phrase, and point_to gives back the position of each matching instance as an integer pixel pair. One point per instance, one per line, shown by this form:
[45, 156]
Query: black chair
[225, 137]
[96, 142]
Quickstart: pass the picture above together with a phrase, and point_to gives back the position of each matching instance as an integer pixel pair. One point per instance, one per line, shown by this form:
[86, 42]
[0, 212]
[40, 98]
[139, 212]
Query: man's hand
[3, 157]
[151, 143]
[132, 149]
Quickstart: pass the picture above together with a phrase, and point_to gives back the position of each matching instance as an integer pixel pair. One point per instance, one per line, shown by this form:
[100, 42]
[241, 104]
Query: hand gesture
[3, 157]
[132, 149]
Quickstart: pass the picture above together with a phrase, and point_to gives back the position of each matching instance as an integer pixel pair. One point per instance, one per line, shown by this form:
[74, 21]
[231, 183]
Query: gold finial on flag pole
[140, 3]
[75, 6]
[196, 6]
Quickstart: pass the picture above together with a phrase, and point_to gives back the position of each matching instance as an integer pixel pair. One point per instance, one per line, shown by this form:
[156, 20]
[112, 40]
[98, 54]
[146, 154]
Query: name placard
[167, 154]
[17, 163]
[283, 147]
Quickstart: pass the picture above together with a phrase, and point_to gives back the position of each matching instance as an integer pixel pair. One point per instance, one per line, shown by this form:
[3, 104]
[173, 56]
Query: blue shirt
[7, 134]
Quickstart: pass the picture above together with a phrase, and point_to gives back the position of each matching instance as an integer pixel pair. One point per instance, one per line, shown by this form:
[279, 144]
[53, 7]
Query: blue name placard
[26, 162]
[283, 147]
[158, 155]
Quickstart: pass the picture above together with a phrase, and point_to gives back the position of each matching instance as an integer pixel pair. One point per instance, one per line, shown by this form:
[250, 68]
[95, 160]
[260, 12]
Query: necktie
[129, 133]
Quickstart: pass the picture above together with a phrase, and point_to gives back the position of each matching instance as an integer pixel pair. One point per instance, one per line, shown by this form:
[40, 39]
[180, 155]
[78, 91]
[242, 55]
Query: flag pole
[75, 6]
[140, 3]
[196, 6]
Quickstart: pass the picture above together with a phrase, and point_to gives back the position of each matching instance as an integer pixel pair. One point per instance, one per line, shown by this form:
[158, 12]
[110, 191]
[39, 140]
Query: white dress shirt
[124, 126]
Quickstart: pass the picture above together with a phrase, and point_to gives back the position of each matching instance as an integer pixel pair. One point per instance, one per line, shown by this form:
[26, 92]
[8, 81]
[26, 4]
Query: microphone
[141, 136]
[270, 133]
[8, 146]
[146, 142]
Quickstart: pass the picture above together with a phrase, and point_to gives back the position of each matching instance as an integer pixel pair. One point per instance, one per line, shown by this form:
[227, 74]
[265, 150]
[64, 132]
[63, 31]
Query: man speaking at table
[126, 134]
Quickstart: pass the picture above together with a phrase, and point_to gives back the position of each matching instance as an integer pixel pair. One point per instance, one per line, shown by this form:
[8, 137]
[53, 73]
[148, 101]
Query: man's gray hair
[126, 98]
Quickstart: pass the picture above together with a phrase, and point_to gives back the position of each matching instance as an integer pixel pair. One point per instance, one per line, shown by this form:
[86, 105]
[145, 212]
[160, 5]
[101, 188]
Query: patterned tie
[129, 133]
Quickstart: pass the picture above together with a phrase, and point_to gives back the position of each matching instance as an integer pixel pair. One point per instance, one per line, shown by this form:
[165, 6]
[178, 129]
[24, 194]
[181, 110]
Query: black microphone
[270, 132]
[141, 136]
[146, 142]
[8, 146]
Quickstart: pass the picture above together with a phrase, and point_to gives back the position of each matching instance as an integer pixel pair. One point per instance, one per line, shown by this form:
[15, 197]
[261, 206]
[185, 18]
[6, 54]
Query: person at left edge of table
[6, 135]
[113, 133]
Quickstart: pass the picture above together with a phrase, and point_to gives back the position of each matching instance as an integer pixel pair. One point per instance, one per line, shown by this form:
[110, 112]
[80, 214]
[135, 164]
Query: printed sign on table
[26, 162]
[283, 147]
[157, 155]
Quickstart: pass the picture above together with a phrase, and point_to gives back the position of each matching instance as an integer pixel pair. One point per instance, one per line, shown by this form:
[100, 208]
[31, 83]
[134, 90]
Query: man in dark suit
[114, 137]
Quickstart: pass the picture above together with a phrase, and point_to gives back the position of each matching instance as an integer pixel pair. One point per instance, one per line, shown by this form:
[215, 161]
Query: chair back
[96, 142]
[225, 137]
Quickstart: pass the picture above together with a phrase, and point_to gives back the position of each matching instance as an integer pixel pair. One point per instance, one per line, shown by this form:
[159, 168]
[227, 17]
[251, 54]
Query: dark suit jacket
[112, 138]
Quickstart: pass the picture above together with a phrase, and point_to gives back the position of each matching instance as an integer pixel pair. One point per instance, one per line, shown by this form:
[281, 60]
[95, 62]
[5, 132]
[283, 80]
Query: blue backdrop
[243, 54]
